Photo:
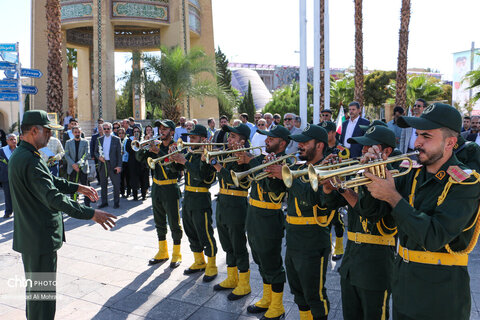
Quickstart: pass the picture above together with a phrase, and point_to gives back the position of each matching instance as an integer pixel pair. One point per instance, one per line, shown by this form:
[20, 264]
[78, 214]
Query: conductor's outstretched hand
[105, 219]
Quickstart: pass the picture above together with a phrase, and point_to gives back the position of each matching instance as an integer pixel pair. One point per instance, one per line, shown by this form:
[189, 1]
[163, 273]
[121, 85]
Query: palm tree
[54, 60]
[71, 64]
[358, 52]
[401, 93]
[419, 86]
[181, 75]
[341, 92]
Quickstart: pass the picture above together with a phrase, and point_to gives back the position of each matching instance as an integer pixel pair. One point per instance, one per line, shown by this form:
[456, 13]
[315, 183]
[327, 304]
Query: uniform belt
[164, 182]
[196, 189]
[305, 220]
[371, 239]
[238, 193]
[428, 257]
[265, 205]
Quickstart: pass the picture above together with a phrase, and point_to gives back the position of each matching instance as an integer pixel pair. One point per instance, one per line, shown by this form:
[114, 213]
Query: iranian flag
[340, 119]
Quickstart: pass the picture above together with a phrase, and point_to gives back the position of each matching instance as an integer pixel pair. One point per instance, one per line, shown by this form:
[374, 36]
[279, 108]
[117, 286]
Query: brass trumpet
[238, 176]
[289, 175]
[182, 145]
[378, 167]
[209, 154]
[161, 161]
[145, 144]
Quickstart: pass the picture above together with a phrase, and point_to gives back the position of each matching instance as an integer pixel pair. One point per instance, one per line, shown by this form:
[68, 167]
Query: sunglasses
[106, 129]
[287, 119]
[417, 106]
[261, 124]
[116, 128]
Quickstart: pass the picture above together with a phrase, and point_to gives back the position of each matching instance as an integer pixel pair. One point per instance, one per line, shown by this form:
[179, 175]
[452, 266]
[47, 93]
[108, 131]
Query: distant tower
[98, 28]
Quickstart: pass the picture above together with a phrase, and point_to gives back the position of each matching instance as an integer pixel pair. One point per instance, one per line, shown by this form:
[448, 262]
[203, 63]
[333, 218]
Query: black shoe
[280, 317]
[218, 287]
[7, 215]
[233, 297]
[116, 206]
[152, 261]
[174, 265]
[337, 257]
[144, 198]
[103, 205]
[254, 309]
[191, 271]
[209, 278]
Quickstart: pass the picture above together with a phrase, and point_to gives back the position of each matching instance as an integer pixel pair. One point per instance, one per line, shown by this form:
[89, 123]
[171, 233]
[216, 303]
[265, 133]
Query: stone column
[84, 97]
[388, 111]
[39, 54]
[138, 89]
[103, 62]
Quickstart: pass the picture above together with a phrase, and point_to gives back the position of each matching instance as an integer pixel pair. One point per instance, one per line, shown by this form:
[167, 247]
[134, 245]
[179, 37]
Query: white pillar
[326, 33]
[303, 62]
[316, 62]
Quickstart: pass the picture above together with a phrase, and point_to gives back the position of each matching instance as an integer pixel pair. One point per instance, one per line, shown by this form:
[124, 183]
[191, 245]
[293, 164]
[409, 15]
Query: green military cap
[277, 132]
[198, 130]
[374, 123]
[39, 118]
[241, 129]
[166, 123]
[311, 131]
[328, 125]
[375, 135]
[437, 115]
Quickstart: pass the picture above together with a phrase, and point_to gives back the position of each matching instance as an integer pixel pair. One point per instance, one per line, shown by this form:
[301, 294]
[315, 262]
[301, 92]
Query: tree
[247, 105]
[71, 64]
[401, 93]
[358, 52]
[224, 80]
[474, 80]
[341, 93]
[419, 86]
[55, 59]
[180, 75]
[376, 87]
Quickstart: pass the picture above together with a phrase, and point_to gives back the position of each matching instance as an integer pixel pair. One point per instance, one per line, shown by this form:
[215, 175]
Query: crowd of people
[267, 191]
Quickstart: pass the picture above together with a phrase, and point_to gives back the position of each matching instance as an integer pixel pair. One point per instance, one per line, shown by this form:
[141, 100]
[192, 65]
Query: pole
[316, 61]
[303, 62]
[20, 100]
[472, 53]
[326, 32]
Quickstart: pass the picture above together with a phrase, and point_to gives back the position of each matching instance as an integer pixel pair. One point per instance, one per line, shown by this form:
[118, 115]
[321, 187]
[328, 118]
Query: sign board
[5, 65]
[10, 74]
[9, 47]
[8, 96]
[8, 84]
[29, 90]
[31, 73]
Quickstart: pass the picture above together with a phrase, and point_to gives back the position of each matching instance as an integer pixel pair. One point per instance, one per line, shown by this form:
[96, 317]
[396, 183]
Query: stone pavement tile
[113, 276]
[161, 287]
[78, 310]
[112, 314]
[137, 303]
[79, 287]
[293, 313]
[7, 312]
[474, 315]
[476, 301]
[193, 293]
[172, 309]
[475, 285]
[335, 297]
[212, 314]
[107, 295]
[220, 302]
[74, 267]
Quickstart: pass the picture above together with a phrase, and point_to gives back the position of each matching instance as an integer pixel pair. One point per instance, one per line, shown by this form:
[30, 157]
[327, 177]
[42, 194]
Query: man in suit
[220, 136]
[288, 122]
[67, 135]
[108, 152]
[76, 154]
[93, 146]
[5, 154]
[351, 128]
[408, 136]
[472, 133]
[38, 200]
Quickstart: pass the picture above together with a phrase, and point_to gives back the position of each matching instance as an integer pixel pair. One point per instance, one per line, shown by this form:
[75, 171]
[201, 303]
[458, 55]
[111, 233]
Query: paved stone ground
[104, 275]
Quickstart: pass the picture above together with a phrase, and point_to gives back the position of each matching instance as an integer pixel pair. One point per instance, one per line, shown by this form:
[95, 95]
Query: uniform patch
[406, 164]
[455, 147]
[371, 130]
[440, 175]
[429, 109]
[306, 128]
[458, 174]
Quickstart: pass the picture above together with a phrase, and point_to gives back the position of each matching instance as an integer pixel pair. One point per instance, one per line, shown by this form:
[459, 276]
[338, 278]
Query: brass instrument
[161, 161]
[238, 176]
[145, 144]
[209, 154]
[208, 145]
[289, 175]
[377, 167]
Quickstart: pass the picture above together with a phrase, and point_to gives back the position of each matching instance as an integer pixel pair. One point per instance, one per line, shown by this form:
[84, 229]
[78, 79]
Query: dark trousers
[337, 222]
[82, 179]
[125, 180]
[198, 228]
[163, 211]
[114, 177]
[8, 197]
[306, 274]
[359, 303]
[234, 242]
[38, 306]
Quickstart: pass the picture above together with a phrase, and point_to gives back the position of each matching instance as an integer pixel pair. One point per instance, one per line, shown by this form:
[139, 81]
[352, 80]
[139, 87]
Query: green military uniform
[165, 199]
[468, 153]
[38, 202]
[437, 222]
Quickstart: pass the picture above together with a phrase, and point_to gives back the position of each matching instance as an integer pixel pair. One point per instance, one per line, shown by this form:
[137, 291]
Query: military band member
[367, 266]
[468, 153]
[265, 227]
[307, 229]
[231, 213]
[165, 196]
[39, 198]
[197, 207]
[435, 208]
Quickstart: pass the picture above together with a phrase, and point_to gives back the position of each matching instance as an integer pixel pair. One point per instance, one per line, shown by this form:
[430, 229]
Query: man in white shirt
[258, 139]
[351, 128]
[180, 130]
[269, 118]
[52, 154]
[408, 136]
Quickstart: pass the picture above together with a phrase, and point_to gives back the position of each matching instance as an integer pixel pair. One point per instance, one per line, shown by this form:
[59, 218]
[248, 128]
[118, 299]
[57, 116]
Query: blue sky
[267, 31]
